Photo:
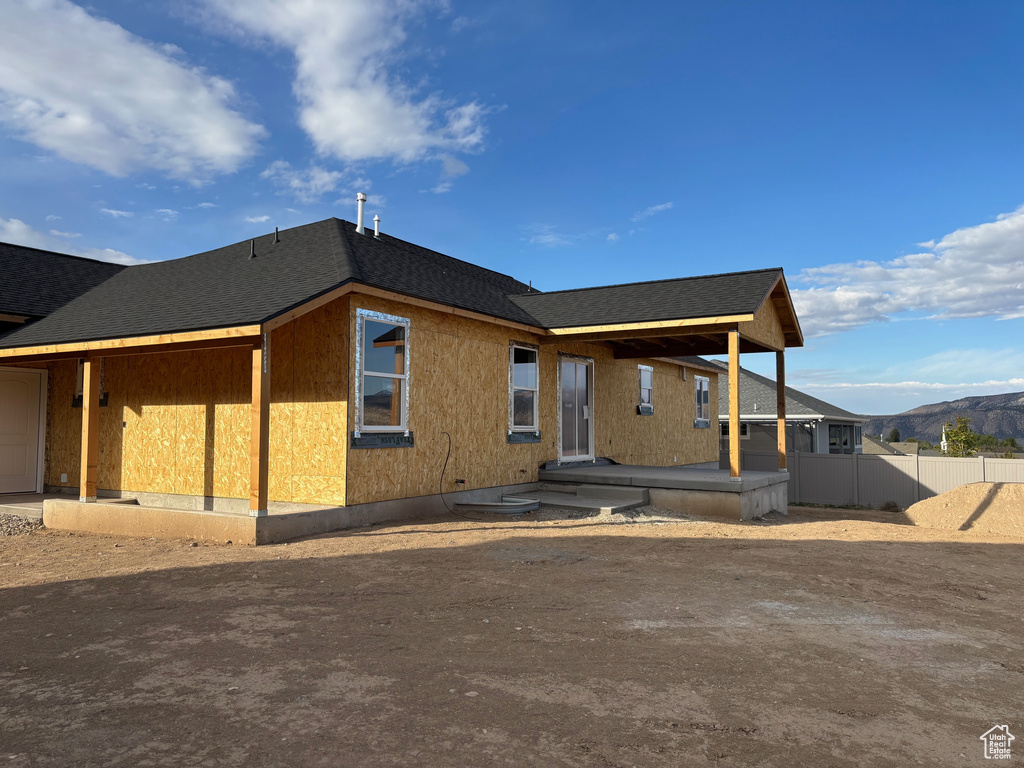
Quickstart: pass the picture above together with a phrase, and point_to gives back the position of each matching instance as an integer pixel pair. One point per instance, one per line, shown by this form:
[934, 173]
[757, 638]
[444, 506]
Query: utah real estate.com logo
[997, 742]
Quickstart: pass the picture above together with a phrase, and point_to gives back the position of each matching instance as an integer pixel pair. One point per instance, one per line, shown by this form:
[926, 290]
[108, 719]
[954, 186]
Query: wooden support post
[259, 441]
[780, 404]
[734, 404]
[90, 430]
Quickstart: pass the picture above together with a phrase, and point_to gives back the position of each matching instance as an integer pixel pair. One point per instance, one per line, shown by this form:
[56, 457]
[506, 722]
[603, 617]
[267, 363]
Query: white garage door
[19, 430]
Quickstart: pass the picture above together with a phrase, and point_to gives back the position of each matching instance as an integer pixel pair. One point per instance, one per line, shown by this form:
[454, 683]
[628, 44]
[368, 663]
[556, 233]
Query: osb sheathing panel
[459, 384]
[319, 405]
[765, 328]
[180, 423]
[187, 415]
[64, 426]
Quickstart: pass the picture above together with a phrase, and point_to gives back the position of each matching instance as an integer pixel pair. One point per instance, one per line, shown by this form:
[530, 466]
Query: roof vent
[376, 226]
[277, 235]
[360, 202]
[252, 249]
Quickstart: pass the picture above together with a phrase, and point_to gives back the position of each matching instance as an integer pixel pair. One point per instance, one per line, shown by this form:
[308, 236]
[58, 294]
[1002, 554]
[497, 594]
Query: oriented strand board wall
[179, 423]
[765, 328]
[459, 385]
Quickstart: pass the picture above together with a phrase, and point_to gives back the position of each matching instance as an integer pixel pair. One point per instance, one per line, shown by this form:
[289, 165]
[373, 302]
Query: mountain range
[999, 415]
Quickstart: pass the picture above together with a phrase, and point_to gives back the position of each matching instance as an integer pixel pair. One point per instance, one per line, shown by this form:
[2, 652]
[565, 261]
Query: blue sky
[872, 150]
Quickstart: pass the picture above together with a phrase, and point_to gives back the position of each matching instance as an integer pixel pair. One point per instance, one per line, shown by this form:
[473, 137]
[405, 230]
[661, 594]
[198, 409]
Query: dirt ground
[828, 638]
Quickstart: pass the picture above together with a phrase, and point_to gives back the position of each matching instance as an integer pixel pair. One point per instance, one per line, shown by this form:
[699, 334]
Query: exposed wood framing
[661, 329]
[259, 439]
[167, 342]
[90, 430]
[627, 328]
[630, 349]
[13, 318]
[734, 404]
[780, 404]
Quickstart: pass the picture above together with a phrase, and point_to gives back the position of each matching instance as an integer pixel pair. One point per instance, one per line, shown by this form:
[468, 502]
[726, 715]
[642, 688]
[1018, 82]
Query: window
[744, 429]
[841, 438]
[382, 372]
[702, 393]
[523, 388]
[646, 406]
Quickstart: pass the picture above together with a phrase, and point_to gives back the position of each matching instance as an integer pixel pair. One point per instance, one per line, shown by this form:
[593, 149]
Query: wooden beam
[18, 319]
[664, 330]
[652, 324]
[90, 430]
[734, 404]
[178, 347]
[110, 347]
[259, 436]
[780, 404]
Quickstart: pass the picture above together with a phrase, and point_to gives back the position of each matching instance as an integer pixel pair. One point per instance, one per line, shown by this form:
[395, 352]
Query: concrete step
[621, 492]
[616, 492]
[553, 499]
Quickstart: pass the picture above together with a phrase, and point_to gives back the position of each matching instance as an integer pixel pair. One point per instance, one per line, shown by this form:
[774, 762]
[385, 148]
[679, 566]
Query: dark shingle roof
[760, 391]
[225, 287]
[737, 293]
[36, 283]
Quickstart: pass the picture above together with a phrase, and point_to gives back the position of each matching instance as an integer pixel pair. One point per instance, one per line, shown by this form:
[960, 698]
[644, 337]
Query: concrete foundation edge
[191, 521]
[745, 505]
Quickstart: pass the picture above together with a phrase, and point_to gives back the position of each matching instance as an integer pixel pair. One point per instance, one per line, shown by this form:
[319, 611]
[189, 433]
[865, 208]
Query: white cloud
[938, 386]
[462, 23]
[207, 205]
[612, 237]
[546, 236]
[646, 213]
[307, 186]
[257, 219]
[166, 214]
[18, 232]
[117, 214]
[973, 272]
[69, 235]
[452, 167]
[352, 103]
[53, 217]
[93, 93]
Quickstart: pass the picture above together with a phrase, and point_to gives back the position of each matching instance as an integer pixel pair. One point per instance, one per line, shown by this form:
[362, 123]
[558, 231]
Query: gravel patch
[16, 525]
[649, 513]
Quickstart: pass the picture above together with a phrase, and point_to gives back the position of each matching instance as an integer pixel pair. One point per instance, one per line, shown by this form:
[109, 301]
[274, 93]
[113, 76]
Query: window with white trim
[523, 386]
[702, 401]
[382, 372]
[646, 404]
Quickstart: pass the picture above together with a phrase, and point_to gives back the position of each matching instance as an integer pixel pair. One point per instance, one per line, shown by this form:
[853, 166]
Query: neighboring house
[327, 366]
[875, 446]
[812, 425]
[909, 448]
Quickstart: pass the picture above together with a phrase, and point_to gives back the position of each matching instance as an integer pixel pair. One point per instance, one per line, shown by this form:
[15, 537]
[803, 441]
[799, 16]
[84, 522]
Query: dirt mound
[987, 507]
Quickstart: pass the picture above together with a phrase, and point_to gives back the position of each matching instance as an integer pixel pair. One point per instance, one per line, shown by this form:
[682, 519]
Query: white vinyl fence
[870, 481]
